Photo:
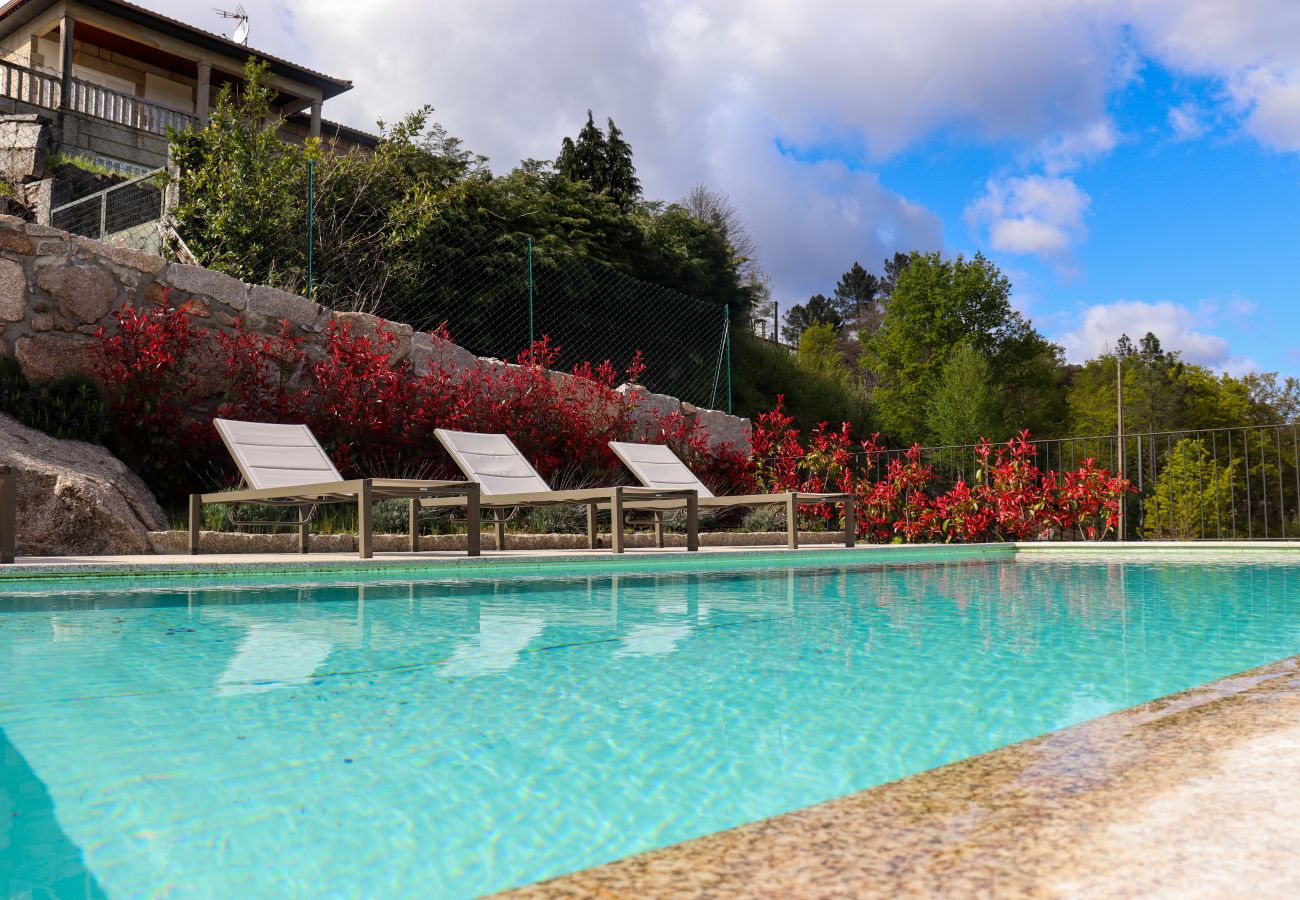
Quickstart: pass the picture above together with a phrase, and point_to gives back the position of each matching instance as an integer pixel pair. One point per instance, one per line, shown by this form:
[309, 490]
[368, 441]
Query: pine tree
[855, 299]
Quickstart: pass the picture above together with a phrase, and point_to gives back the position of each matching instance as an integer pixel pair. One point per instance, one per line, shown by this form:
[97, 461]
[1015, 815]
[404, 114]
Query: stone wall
[57, 289]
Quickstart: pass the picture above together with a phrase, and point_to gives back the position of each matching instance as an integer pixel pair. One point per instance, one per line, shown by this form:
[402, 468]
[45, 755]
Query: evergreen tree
[894, 266]
[855, 299]
[819, 310]
[603, 162]
[620, 175]
[584, 159]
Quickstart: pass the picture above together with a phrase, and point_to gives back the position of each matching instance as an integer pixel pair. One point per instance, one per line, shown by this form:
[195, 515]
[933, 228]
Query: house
[105, 79]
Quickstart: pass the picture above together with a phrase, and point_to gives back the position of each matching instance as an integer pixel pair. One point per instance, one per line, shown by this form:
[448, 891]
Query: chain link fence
[495, 290]
[129, 213]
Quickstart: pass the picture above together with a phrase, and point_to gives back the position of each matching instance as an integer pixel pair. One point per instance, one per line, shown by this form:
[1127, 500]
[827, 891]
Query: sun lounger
[284, 465]
[509, 481]
[655, 465]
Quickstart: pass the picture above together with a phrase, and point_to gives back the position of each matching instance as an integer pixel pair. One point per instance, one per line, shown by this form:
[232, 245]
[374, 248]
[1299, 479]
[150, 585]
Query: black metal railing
[1194, 484]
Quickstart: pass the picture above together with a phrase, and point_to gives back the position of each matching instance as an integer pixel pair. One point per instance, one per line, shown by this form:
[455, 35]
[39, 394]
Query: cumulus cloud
[1252, 49]
[705, 88]
[1177, 326]
[1035, 214]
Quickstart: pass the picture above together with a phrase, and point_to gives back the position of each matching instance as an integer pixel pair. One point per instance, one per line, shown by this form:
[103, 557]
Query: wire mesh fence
[1206, 484]
[128, 213]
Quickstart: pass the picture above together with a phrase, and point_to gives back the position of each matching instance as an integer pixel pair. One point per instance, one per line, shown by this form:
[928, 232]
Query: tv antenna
[240, 34]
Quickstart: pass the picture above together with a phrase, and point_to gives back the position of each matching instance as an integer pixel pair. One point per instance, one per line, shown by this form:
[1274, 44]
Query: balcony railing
[29, 85]
[44, 89]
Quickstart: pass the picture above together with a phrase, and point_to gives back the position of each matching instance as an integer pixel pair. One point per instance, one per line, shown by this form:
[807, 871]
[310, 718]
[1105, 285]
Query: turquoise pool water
[450, 737]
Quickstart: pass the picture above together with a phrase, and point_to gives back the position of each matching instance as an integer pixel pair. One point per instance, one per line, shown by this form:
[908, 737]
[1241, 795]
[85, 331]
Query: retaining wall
[57, 289]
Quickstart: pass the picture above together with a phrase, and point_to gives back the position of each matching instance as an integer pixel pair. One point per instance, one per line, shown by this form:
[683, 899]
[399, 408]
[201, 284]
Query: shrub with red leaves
[166, 377]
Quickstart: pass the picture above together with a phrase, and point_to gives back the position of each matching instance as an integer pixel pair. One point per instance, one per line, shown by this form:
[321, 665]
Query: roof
[330, 129]
[16, 13]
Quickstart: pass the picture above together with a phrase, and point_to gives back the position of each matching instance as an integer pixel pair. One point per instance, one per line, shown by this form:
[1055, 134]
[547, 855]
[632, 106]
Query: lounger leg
[659, 530]
[413, 524]
[850, 524]
[8, 515]
[591, 526]
[616, 523]
[792, 521]
[693, 522]
[499, 523]
[365, 521]
[474, 522]
[304, 528]
[196, 520]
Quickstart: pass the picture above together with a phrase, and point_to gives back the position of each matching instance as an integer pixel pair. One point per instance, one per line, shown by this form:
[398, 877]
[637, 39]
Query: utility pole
[1120, 441]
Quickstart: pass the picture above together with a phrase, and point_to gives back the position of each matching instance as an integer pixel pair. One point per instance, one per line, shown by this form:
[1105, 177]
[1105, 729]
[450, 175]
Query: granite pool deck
[1192, 795]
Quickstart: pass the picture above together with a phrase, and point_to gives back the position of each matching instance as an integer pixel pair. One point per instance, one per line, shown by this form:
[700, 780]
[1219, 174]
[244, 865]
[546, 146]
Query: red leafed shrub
[1013, 499]
[150, 369]
[562, 422]
[165, 378]
[258, 373]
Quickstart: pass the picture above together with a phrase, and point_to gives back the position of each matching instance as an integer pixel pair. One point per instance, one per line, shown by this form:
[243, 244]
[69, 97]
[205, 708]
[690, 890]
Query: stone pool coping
[456, 563]
[1192, 794]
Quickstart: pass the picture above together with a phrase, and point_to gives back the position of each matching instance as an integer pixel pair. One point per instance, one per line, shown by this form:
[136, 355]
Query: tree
[1193, 497]
[855, 299]
[620, 175]
[817, 352]
[604, 163]
[717, 210]
[242, 188]
[819, 310]
[964, 406]
[893, 267]
[584, 159]
[936, 304]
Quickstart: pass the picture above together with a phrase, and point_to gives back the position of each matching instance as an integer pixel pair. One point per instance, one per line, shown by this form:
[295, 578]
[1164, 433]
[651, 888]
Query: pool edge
[1108, 807]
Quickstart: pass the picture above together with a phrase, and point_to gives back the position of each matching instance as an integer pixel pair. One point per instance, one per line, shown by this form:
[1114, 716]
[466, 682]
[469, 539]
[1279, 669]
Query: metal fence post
[311, 212]
[728, 338]
[1119, 428]
[532, 337]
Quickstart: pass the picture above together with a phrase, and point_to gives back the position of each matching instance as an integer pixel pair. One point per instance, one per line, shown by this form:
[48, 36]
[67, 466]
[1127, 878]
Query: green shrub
[70, 407]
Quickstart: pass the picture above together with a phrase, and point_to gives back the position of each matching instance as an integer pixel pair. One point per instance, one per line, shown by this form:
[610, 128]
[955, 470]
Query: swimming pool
[454, 735]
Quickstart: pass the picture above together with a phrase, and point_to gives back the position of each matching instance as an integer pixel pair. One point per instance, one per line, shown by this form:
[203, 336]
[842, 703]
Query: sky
[1131, 165]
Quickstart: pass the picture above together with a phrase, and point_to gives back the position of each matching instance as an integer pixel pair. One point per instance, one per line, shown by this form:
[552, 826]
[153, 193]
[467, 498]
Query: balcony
[45, 90]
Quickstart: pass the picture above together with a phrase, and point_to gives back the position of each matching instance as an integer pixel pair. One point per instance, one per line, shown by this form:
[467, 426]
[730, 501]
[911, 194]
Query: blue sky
[1130, 165]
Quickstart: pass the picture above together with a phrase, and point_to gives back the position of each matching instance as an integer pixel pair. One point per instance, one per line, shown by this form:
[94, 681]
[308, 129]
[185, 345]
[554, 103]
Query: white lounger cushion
[276, 456]
[656, 466]
[493, 461]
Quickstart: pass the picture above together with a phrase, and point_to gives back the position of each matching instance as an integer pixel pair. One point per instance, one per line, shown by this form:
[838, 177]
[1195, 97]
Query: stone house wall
[57, 289]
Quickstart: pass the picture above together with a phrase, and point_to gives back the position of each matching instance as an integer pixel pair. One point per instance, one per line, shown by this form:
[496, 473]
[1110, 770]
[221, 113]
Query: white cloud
[1252, 49]
[1187, 121]
[704, 88]
[1072, 149]
[1034, 214]
[1177, 326]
